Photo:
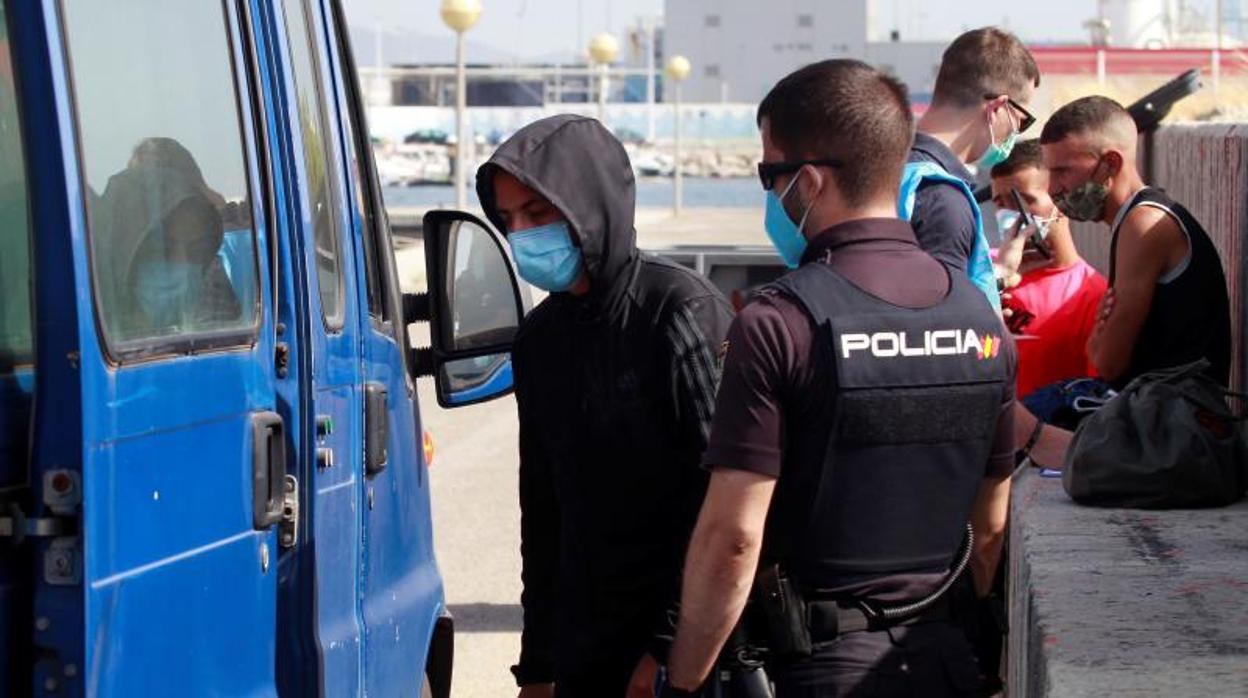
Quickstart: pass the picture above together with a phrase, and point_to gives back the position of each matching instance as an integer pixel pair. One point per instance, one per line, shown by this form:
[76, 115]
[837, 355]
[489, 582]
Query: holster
[782, 613]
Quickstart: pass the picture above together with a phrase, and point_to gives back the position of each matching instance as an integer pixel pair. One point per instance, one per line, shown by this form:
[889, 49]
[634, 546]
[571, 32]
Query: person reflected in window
[482, 318]
[159, 221]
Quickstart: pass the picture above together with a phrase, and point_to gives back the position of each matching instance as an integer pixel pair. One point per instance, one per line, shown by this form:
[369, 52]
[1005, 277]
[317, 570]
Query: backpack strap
[979, 265]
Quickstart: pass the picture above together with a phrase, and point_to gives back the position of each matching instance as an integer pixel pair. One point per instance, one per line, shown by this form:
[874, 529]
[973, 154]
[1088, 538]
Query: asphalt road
[476, 520]
[476, 514]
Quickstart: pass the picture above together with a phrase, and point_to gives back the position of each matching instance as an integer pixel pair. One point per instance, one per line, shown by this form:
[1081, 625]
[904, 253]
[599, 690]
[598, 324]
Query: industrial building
[739, 48]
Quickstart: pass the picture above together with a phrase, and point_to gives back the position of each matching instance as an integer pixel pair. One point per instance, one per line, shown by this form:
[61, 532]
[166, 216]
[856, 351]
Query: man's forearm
[989, 518]
[718, 577]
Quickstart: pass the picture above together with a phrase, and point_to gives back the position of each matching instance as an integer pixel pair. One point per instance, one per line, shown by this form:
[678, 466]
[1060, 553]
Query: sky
[531, 29]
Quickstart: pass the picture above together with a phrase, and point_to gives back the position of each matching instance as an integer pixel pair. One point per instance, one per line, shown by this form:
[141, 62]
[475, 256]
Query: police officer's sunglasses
[1028, 119]
[768, 171]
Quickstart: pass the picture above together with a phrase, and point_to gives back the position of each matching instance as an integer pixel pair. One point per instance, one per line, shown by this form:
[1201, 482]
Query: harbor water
[700, 192]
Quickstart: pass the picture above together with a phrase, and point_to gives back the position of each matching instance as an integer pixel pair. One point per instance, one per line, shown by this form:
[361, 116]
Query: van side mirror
[474, 307]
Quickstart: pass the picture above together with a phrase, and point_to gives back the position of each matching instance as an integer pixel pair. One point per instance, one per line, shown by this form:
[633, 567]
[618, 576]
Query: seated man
[1167, 304]
[1053, 307]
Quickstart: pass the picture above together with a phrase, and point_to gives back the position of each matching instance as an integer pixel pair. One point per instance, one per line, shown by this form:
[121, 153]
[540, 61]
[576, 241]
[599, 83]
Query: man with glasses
[978, 111]
[864, 416]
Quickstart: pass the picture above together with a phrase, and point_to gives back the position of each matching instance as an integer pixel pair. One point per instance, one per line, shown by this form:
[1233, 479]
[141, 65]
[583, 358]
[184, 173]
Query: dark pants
[607, 676]
[929, 660]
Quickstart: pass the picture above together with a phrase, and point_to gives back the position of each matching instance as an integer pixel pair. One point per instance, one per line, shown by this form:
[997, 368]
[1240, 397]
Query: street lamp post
[460, 16]
[603, 48]
[677, 70]
[650, 31]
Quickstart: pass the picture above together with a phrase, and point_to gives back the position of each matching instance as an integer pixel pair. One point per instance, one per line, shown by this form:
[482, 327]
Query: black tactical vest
[917, 397]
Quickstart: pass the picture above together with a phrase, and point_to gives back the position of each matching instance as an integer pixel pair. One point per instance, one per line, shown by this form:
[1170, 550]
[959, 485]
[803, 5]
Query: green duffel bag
[1167, 441]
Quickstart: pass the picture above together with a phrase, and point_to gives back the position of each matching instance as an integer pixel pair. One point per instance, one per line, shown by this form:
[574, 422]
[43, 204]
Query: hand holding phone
[1027, 221]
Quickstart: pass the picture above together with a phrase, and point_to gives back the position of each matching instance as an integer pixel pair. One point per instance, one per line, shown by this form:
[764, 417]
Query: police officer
[863, 419]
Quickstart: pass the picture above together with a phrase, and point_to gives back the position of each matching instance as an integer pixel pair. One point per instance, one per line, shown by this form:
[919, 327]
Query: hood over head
[131, 221]
[581, 168]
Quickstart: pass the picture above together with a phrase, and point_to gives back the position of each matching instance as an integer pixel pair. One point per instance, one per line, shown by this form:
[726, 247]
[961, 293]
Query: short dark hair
[981, 62]
[847, 110]
[1025, 155]
[1097, 114]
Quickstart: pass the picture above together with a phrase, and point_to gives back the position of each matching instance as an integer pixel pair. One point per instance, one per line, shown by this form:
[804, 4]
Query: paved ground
[475, 500]
[476, 515]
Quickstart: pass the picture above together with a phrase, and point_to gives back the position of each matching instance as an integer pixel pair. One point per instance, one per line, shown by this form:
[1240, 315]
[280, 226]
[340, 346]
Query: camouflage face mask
[1085, 202]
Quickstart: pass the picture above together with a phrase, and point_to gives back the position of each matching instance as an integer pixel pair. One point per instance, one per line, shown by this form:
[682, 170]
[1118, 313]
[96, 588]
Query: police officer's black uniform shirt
[773, 406]
[943, 220]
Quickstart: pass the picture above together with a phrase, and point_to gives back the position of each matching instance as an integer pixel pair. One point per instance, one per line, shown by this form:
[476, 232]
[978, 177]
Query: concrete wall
[1125, 602]
[1141, 603]
[1204, 167]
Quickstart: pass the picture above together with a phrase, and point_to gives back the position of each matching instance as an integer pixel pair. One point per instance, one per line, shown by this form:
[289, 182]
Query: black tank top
[1190, 315]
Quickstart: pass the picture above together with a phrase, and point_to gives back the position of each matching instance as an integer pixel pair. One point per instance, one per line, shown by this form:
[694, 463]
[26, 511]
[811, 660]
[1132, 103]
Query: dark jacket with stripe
[615, 392]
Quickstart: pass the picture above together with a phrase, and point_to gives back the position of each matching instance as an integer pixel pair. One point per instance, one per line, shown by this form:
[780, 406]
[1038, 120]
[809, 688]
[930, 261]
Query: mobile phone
[1025, 220]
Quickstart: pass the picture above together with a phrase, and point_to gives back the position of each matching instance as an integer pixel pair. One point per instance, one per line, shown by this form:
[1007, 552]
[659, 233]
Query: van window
[317, 157]
[372, 223]
[359, 146]
[16, 329]
[171, 232]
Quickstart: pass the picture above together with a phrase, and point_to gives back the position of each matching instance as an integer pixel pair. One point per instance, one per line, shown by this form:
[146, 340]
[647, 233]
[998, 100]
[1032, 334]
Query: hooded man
[162, 273]
[615, 381]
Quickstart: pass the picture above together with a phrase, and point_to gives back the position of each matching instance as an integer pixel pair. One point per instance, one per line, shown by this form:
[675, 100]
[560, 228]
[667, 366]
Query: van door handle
[377, 424]
[268, 466]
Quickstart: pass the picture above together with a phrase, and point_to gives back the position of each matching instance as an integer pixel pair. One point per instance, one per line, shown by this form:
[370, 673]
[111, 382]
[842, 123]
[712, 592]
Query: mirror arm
[423, 363]
[416, 307]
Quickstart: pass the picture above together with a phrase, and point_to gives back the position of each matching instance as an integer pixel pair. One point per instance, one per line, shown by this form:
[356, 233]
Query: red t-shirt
[1053, 343]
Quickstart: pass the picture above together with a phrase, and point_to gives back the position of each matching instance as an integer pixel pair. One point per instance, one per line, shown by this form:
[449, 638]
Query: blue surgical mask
[167, 290]
[784, 233]
[998, 153]
[546, 256]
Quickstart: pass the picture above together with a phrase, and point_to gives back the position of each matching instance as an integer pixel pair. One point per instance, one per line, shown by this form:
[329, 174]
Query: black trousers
[932, 660]
[606, 676]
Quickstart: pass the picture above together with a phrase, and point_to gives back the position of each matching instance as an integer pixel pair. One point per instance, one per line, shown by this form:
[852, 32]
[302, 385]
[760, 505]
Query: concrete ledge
[1125, 602]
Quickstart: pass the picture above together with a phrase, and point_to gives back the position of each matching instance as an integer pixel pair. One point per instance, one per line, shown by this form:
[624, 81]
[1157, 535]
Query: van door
[333, 390]
[157, 423]
[401, 587]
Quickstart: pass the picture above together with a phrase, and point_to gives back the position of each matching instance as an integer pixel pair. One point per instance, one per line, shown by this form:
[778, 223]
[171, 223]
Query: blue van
[212, 479]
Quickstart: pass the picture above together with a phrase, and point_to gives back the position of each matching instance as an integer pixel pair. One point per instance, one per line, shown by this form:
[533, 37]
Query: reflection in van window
[480, 289]
[16, 335]
[318, 163]
[173, 243]
[16, 329]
